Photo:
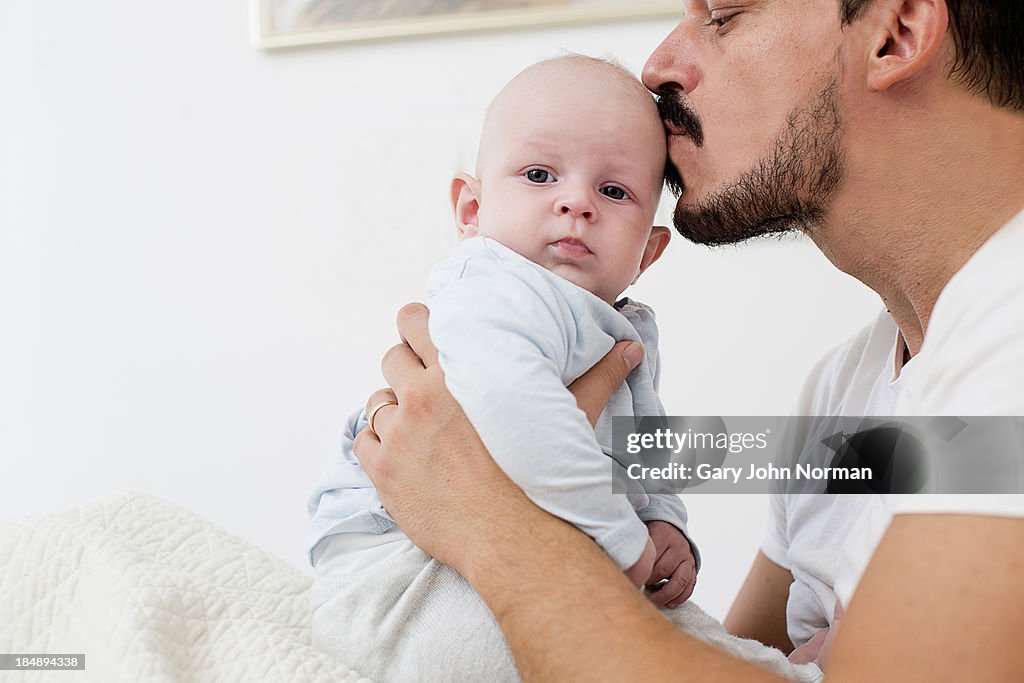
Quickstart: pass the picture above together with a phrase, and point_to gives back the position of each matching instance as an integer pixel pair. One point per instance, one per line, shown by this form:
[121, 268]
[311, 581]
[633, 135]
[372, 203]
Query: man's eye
[539, 175]
[719, 20]
[614, 192]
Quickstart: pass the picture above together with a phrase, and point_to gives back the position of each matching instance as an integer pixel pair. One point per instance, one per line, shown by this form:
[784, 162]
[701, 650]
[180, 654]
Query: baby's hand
[640, 571]
[674, 562]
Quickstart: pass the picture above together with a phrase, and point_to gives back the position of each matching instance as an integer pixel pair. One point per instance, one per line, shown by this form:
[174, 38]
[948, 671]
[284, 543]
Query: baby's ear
[656, 244]
[466, 204]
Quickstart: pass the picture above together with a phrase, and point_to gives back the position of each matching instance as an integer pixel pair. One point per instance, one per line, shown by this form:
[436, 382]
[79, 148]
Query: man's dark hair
[989, 41]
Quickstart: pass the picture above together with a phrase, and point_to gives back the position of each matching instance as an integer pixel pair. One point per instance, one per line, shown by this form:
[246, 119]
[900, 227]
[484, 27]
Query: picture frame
[288, 23]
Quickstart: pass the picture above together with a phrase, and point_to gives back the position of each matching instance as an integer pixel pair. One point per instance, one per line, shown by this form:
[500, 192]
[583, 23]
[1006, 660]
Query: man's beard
[789, 189]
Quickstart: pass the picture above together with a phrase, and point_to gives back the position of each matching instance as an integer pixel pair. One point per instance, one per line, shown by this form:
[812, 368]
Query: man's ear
[656, 244]
[908, 36]
[466, 204]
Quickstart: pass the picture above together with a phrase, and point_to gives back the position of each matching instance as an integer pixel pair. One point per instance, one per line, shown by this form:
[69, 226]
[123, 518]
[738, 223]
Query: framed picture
[284, 23]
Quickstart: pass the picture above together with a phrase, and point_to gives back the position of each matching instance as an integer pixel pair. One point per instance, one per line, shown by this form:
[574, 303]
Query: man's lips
[572, 247]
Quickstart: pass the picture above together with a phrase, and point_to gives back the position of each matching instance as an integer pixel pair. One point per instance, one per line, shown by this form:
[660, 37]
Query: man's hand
[427, 462]
[820, 644]
[675, 562]
[593, 389]
[429, 465]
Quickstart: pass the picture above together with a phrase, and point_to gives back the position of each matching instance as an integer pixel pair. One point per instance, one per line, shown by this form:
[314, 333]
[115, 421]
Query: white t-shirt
[804, 532]
[971, 363]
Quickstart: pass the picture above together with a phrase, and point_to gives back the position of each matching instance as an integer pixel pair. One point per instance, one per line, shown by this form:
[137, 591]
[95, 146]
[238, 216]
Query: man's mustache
[678, 116]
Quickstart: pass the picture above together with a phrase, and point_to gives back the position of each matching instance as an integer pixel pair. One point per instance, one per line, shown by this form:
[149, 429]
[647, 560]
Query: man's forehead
[706, 6]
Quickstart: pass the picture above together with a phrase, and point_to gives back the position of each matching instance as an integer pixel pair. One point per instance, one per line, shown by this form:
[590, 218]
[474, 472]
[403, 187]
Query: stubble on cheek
[788, 189]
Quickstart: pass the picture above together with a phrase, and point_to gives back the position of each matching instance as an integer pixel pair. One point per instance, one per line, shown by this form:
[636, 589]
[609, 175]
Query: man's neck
[919, 202]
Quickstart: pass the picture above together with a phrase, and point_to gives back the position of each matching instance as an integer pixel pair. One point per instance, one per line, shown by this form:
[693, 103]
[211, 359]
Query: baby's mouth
[572, 248]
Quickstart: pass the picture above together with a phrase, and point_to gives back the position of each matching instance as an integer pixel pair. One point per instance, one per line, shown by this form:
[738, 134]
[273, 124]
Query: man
[891, 132]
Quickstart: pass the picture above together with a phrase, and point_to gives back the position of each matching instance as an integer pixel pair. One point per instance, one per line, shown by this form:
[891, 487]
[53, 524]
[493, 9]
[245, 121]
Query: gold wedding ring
[373, 414]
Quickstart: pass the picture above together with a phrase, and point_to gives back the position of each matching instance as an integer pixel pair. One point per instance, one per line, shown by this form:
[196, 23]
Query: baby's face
[571, 170]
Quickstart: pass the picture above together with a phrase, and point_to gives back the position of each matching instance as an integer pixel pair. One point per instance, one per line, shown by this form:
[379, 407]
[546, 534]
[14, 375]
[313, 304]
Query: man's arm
[759, 611]
[569, 615]
[941, 599]
[504, 335]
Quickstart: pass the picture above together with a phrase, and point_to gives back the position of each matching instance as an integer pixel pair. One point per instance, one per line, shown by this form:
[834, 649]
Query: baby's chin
[579, 277]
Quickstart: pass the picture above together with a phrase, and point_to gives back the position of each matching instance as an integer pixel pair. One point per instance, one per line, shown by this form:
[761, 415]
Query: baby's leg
[409, 618]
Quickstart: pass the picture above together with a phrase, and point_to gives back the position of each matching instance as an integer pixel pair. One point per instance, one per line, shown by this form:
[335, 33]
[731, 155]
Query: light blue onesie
[510, 336]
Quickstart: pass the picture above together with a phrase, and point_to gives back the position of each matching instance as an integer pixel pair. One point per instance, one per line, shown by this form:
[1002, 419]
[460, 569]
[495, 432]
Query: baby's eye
[539, 175]
[614, 192]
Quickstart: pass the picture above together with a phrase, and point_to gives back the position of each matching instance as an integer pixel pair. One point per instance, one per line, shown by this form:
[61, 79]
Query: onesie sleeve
[503, 335]
[345, 500]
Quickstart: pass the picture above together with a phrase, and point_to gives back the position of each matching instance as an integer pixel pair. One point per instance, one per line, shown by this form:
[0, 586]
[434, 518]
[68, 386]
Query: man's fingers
[399, 363]
[811, 650]
[412, 326]
[384, 413]
[830, 637]
[367, 450]
[837, 613]
[378, 397]
[595, 387]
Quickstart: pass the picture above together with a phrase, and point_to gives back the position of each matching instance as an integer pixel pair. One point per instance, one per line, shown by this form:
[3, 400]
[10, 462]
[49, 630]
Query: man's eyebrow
[702, 6]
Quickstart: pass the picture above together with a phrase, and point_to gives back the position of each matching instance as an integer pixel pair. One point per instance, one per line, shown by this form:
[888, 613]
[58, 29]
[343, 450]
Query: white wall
[202, 247]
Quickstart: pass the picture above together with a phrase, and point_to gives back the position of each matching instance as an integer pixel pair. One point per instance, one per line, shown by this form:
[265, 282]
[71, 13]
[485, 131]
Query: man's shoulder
[972, 359]
[988, 290]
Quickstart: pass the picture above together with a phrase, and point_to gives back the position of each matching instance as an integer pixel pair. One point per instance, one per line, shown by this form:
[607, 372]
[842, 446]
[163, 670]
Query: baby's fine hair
[616, 71]
[614, 68]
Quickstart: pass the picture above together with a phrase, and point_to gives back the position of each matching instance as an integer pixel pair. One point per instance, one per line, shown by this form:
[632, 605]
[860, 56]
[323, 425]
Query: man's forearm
[759, 611]
[569, 614]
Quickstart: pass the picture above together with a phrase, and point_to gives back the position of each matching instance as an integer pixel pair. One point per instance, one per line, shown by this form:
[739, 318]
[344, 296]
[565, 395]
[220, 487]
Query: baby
[557, 223]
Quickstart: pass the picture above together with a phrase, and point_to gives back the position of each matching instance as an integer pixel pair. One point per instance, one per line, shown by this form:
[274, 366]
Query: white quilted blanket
[151, 592]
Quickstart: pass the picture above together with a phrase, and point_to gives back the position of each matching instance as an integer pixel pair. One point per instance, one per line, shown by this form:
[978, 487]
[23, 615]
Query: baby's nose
[576, 212]
[578, 204]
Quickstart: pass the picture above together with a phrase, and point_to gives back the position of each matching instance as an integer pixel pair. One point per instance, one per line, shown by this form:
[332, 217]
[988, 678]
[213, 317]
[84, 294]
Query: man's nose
[673, 65]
